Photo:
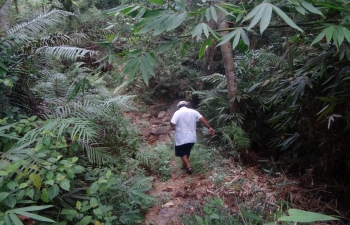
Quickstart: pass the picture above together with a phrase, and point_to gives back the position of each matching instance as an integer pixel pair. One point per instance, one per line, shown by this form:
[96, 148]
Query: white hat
[182, 103]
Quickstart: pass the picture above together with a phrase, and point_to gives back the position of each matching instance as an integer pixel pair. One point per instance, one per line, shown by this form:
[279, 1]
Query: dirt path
[176, 197]
[239, 186]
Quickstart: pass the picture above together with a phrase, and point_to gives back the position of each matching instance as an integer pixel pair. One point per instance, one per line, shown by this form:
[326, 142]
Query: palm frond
[123, 102]
[77, 128]
[65, 52]
[99, 155]
[37, 25]
[63, 39]
[59, 108]
[55, 86]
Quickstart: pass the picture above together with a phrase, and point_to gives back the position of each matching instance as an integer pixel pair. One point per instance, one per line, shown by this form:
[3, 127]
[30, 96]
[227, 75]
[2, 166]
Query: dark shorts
[185, 149]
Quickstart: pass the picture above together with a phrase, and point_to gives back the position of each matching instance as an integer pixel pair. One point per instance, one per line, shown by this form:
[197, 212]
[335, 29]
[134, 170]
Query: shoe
[189, 170]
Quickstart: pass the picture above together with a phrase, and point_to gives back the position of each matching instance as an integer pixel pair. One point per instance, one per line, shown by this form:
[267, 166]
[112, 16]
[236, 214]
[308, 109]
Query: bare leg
[185, 161]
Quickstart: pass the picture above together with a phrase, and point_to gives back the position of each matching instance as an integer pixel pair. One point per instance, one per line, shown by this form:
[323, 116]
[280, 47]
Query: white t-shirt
[185, 120]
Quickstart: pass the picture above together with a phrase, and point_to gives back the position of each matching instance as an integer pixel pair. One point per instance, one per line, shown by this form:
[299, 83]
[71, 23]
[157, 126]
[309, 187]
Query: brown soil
[176, 197]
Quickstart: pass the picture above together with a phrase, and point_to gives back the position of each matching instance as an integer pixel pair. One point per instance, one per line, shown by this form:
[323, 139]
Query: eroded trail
[176, 198]
[240, 187]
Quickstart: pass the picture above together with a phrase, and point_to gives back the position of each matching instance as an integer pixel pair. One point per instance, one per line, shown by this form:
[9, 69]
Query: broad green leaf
[13, 167]
[340, 32]
[266, 18]
[245, 37]
[3, 73]
[346, 34]
[23, 185]
[163, 25]
[7, 219]
[70, 173]
[47, 140]
[45, 195]
[53, 191]
[208, 14]
[3, 195]
[144, 72]
[10, 201]
[85, 221]
[36, 217]
[239, 17]
[335, 37]
[249, 215]
[197, 31]
[329, 34]
[180, 4]
[148, 65]
[153, 24]
[36, 179]
[213, 14]
[94, 188]
[3, 173]
[65, 184]
[212, 32]
[311, 8]
[286, 18]
[159, 2]
[2, 65]
[228, 37]
[253, 12]
[257, 16]
[205, 29]
[296, 215]
[236, 40]
[300, 9]
[130, 9]
[165, 46]
[129, 66]
[202, 50]
[320, 36]
[178, 20]
[93, 202]
[140, 14]
[12, 185]
[151, 58]
[69, 212]
[15, 220]
[30, 192]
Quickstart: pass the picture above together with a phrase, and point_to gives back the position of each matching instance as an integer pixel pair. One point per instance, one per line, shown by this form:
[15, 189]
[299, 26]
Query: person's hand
[211, 131]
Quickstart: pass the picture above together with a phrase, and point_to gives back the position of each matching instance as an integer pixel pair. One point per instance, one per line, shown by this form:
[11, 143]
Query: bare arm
[205, 122]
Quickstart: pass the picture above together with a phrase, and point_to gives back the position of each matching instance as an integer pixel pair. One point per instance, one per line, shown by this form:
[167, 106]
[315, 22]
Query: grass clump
[157, 160]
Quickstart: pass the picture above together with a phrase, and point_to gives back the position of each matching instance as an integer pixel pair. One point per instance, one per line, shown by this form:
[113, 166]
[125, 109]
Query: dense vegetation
[70, 69]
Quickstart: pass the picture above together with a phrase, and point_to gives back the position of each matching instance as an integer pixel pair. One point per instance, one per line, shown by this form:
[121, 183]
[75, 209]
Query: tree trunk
[227, 57]
[5, 15]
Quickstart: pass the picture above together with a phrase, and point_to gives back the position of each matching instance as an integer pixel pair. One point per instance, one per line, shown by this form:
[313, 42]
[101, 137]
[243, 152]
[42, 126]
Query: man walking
[185, 122]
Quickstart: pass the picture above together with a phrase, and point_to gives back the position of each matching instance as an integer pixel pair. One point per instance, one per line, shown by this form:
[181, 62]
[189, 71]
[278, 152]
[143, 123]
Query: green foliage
[234, 137]
[296, 215]
[214, 213]
[157, 159]
[202, 159]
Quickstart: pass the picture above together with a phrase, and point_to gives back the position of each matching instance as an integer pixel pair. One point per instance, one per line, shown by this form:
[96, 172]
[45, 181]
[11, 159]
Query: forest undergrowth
[225, 189]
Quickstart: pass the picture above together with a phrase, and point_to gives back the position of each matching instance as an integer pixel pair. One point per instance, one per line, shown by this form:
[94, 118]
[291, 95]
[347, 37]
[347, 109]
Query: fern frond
[65, 52]
[37, 25]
